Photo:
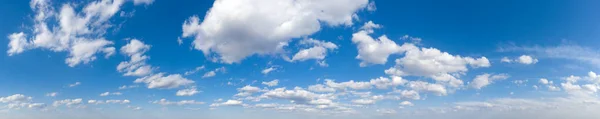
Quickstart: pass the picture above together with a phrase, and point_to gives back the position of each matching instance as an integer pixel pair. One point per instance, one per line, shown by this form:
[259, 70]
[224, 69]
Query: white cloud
[549, 84]
[506, 59]
[52, 94]
[268, 70]
[165, 102]
[134, 107]
[526, 59]
[440, 66]
[187, 92]
[406, 103]
[485, 79]
[109, 93]
[75, 84]
[232, 102]
[161, 81]
[68, 102]
[348, 85]
[136, 66]
[321, 88]
[370, 26]
[376, 51]
[317, 52]
[226, 32]
[96, 102]
[408, 94]
[385, 83]
[19, 101]
[15, 98]
[415, 40]
[271, 83]
[128, 87]
[80, 33]
[545, 81]
[250, 89]
[421, 86]
[209, 74]
[213, 72]
[379, 83]
[17, 44]
[228, 103]
[523, 59]
[194, 71]
[297, 95]
[562, 51]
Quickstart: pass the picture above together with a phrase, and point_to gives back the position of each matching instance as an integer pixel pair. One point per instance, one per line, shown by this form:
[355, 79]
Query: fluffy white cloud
[526, 59]
[209, 74]
[68, 102]
[136, 66]
[440, 66]
[523, 59]
[370, 26]
[232, 102]
[376, 51]
[407, 94]
[17, 44]
[317, 52]
[19, 101]
[15, 98]
[26, 105]
[385, 83]
[348, 85]
[165, 102]
[271, 83]
[228, 103]
[421, 86]
[250, 89]
[161, 81]
[235, 29]
[297, 95]
[485, 79]
[505, 59]
[379, 83]
[109, 93]
[545, 81]
[80, 33]
[187, 92]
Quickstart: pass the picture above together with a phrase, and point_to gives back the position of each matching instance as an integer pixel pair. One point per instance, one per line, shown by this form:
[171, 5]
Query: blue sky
[263, 59]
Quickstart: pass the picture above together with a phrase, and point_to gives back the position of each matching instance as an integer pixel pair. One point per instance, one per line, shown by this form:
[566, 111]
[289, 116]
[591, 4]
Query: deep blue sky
[561, 36]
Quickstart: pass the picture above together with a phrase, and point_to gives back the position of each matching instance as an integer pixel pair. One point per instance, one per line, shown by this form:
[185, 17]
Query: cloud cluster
[165, 102]
[20, 101]
[77, 30]
[236, 29]
[523, 59]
